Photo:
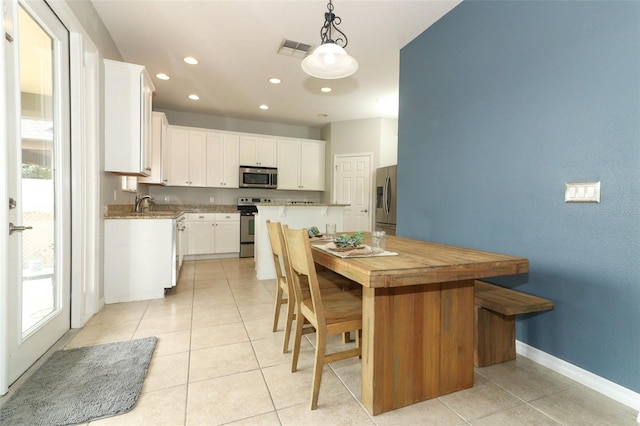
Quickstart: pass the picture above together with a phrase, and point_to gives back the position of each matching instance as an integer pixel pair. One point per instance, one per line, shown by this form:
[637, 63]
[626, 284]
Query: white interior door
[38, 181]
[353, 186]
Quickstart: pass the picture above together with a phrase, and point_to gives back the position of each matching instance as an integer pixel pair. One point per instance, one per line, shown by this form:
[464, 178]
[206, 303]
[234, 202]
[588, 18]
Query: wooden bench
[495, 321]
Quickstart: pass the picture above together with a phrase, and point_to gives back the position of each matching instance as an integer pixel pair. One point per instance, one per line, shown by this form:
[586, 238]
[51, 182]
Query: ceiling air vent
[294, 48]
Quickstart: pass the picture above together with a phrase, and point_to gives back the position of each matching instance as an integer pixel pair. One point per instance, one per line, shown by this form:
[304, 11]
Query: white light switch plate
[582, 192]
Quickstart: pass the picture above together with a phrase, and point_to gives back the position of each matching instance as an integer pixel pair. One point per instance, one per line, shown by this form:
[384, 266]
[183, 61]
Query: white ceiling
[236, 42]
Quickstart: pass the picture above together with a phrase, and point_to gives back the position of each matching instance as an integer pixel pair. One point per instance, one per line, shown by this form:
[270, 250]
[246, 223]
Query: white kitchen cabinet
[127, 118]
[259, 151]
[159, 141]
[139, 259]
[201, 234]
[222, 160]
[188, 157]
[301, 164]
[213, 233]
[227, 238]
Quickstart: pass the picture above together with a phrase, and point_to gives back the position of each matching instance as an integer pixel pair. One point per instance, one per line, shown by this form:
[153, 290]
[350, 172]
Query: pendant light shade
[330, 60]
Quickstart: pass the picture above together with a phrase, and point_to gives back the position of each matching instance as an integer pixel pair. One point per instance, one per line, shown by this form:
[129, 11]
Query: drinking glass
[377, 241]
[331, 230]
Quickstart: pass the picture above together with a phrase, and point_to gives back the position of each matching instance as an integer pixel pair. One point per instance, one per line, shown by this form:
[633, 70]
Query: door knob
[14, 228]
[364, 211]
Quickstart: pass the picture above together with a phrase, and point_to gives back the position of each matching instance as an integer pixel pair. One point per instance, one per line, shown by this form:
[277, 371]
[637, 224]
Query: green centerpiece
[344, 241]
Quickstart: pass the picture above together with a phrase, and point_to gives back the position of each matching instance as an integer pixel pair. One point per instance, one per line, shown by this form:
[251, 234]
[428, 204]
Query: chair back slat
[273, 229]
[303, 271]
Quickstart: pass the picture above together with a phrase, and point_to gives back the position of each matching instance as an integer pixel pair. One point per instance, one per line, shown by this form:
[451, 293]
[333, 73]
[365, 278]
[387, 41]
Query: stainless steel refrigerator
[386, 184]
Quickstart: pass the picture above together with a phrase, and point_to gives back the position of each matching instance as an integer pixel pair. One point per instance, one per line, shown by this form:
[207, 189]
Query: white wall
[388, 142]
[376, 135]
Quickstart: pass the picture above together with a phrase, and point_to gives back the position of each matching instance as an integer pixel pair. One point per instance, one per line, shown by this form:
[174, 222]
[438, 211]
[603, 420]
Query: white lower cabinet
[213, 233]
[139, 259]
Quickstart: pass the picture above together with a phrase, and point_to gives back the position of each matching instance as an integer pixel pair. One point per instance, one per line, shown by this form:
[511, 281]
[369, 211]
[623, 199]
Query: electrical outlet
[582, 192]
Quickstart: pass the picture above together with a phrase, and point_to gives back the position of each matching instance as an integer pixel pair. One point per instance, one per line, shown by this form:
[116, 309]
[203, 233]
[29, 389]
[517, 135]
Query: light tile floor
[218, 362]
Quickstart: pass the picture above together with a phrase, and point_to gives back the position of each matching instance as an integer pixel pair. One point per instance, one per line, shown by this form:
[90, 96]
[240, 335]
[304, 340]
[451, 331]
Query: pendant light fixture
[330, 60]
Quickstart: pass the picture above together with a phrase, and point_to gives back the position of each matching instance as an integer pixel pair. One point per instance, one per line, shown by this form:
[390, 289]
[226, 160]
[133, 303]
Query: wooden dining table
[418, 317]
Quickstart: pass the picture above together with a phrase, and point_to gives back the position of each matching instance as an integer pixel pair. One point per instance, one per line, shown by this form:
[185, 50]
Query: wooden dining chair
[284, 289]
[329, 313]
[329, 281]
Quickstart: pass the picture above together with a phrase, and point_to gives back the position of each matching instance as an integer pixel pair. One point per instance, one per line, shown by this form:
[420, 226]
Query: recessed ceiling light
[326, 89]
[162, 76]
[194, 97]
[191, 60]
[275, 80]
[263, 106]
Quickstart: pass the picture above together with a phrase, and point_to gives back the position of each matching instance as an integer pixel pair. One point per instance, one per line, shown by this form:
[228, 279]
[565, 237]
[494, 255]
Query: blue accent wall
[501, 104]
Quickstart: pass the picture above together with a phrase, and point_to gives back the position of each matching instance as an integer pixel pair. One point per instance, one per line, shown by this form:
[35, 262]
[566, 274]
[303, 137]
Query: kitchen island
[295, 216]
[418, 316]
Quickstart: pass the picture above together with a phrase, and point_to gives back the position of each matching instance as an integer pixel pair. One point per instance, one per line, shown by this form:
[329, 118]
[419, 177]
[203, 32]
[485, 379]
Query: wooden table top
[421, 262]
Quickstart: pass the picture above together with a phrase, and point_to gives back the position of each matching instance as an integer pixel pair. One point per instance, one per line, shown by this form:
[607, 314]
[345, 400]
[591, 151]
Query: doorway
[38, 183]
[352, 186]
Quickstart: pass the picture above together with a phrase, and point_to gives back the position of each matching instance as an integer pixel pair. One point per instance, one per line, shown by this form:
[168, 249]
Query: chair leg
[287, 326]
[276, 310]
[318, 366]
[297, 340]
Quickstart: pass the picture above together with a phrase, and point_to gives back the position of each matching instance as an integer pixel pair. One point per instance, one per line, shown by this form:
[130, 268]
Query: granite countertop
[298, 204]
[164, 211]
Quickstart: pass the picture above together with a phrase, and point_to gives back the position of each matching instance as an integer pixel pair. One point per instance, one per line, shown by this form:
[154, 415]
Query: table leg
[417, 343]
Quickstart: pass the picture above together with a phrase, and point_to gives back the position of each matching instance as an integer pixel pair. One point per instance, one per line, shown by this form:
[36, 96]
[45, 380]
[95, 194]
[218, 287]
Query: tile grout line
[253, 349]
[193, 295]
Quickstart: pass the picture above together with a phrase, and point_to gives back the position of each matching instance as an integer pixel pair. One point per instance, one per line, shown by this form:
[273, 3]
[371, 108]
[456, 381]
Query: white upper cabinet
[222, 160]
[258, 151]
[159, 138]
[127, 118]
[212, 158]
[188, 157]
[301, 164]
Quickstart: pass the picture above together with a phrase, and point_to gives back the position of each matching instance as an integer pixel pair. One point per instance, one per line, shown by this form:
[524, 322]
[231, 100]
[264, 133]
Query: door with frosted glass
[38, 177]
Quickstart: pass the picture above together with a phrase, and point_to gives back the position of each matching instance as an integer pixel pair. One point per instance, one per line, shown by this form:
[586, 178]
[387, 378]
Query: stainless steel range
[248, 209]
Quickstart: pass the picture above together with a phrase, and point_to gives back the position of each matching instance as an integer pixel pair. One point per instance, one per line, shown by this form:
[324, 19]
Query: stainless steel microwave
[264, 177]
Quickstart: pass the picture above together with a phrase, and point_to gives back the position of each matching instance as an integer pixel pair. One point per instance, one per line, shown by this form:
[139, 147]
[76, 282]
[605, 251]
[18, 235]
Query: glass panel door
[38, 178]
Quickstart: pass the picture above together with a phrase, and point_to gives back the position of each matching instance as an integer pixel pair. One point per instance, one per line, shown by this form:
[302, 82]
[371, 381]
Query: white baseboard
[599, 384]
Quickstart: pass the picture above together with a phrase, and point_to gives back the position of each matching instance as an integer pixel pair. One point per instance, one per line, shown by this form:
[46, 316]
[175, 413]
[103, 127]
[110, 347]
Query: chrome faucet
[139, 199]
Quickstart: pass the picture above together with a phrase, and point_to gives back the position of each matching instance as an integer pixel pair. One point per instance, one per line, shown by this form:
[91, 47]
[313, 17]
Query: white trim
[599, 384]
[4, 213]
[85, 140]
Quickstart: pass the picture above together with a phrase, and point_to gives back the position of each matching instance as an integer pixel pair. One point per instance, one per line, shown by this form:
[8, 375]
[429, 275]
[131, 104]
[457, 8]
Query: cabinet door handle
[148, 169]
